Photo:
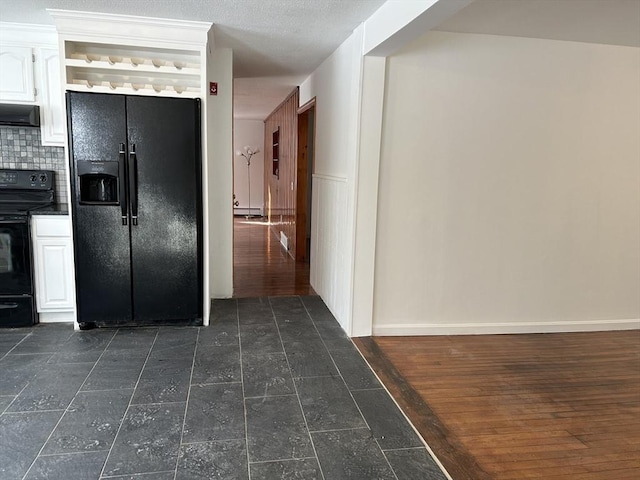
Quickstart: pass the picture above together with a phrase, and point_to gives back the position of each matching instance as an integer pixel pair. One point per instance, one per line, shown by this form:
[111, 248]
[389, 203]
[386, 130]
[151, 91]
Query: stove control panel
[26, 179]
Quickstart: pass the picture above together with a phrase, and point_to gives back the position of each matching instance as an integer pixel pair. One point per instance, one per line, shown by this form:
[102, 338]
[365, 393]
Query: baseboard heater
[255, 211]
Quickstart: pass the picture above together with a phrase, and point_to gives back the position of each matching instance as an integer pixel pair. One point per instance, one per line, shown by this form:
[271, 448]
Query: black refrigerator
[135, 165]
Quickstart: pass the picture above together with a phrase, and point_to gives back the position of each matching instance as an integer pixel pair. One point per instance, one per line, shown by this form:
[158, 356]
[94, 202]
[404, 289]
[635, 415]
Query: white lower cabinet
[53, 268]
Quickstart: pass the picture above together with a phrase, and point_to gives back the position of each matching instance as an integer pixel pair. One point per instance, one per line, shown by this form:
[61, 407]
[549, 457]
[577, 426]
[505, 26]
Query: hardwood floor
[261, 266]
[553, 406]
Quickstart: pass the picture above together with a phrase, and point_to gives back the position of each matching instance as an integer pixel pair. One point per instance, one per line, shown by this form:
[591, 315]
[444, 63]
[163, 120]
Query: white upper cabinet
[16, 81]
[30, 73]
[52, 115]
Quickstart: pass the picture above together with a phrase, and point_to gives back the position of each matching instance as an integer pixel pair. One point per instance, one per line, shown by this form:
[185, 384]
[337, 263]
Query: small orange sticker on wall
[213, 88]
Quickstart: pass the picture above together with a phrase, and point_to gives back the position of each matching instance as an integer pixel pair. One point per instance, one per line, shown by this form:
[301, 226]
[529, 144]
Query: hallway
[261, 266]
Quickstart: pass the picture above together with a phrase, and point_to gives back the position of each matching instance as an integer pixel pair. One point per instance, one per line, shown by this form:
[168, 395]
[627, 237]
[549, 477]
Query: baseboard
[56, 317]
[504, 328]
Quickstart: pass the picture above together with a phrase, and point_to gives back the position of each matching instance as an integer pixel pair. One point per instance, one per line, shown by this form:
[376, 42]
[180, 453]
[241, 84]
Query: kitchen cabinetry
[120, 54]
[53, 268]
[52, 114]
[29, 62]
[17, 79]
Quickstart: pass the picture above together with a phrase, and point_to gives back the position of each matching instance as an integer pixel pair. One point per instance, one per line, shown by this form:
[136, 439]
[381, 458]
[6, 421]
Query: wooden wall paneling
[280, 191]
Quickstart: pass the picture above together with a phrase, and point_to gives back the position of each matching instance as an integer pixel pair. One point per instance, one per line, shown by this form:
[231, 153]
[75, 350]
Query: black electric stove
[21, 191]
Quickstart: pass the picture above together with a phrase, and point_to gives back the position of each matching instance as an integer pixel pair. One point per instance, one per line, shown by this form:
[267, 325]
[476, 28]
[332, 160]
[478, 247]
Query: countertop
[58, 209]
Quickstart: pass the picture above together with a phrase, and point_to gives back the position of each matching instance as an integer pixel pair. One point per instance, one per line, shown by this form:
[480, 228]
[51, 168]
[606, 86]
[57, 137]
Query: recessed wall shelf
[276, 152]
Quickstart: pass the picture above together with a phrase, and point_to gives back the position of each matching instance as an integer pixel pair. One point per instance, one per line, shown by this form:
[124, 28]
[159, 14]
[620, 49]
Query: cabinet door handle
[8, 306]
[13, 222]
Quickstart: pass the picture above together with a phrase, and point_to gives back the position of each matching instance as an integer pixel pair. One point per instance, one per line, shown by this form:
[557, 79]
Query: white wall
[349, 89]
[509, 195]
[251, 133]
[398, 22]
[336, 84]
[366, 200]
[220, 173]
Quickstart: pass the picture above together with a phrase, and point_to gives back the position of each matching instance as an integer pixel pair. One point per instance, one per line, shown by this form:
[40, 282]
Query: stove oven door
[15, 256]
[16, 302]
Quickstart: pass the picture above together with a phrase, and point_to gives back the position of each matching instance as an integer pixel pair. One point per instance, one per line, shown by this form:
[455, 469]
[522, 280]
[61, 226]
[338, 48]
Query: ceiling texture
[278, 43]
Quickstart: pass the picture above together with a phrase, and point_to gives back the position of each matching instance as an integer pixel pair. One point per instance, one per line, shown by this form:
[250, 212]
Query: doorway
[304, 176]
[272, 250]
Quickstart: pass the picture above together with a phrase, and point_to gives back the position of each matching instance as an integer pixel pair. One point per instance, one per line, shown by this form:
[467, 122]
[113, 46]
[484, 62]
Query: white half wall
[220, 173]
[328, 252]
[509, 187]
[248, 133]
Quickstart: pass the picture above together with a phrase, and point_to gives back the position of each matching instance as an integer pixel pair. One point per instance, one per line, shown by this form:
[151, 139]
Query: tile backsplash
[21, 148]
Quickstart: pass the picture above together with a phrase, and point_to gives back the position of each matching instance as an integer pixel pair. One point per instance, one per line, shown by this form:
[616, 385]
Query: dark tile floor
[273, 389]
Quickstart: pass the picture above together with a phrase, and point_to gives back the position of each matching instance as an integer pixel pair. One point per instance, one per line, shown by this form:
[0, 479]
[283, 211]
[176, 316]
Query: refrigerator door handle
[133, 184]
[124, 200]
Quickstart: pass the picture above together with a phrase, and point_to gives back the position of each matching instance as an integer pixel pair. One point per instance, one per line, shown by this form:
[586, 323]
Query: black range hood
[19, 115]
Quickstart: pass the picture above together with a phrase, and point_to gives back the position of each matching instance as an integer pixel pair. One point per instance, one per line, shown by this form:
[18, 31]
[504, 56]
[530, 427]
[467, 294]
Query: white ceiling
[613, 22]
[278, 43]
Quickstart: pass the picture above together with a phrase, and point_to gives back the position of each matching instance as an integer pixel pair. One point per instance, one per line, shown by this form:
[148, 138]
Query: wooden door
[304, 171]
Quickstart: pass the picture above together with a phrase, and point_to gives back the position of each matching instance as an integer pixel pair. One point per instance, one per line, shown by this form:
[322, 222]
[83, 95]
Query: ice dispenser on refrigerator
[98, 182]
